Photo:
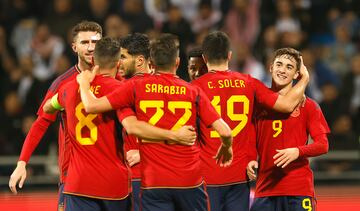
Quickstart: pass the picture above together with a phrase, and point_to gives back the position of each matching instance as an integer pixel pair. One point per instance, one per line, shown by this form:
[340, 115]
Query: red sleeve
[33, 138]
[318, 129]
[41, 113]
[125, 112]
[122, 96]
[319, 147]
[207, 112]
[263, 95]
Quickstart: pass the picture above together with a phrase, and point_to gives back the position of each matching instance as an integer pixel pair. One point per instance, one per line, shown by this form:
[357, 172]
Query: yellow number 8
[306, 204]
[85, 121]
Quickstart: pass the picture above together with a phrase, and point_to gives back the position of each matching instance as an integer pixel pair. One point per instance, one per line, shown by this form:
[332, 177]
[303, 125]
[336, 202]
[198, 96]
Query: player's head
[285, 66]
[196, 64]
[164, 54]
[216, 48]
[107, 53]
[85, 35]
[135, 52]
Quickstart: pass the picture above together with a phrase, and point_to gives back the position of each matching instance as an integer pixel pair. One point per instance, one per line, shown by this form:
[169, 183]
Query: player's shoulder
[311, 103]
[64, 78]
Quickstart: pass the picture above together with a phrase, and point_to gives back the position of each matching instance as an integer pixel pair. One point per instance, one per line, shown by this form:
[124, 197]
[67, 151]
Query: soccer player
[97, 177]
[135, 53]
[170, 173]
[85, 35]
[233, 95]
[285, 180]
[196, 64]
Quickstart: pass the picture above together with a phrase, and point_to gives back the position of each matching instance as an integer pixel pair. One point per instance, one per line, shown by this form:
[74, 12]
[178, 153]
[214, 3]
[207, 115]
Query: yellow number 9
[277, 127]
[306, 204]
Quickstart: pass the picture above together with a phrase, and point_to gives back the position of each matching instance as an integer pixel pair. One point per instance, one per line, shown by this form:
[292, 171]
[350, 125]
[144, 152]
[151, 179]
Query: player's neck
[83, 66]
[108, 72]
[282, 90]
[218, 67]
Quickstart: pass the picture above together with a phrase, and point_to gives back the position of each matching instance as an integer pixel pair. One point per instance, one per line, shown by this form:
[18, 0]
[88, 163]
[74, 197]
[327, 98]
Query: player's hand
[18, 175]
[224, 155]
[186, 135]
[303, 70]
[251, 169]
[133, 157]
[87, 76]
[285, 156]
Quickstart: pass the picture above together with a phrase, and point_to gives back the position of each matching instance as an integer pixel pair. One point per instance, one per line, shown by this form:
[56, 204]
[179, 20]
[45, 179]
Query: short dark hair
[163, 52]
[85, 26]
[107, 52]
[136, 44]
[195, 52]
[216, 47]
[290, 52]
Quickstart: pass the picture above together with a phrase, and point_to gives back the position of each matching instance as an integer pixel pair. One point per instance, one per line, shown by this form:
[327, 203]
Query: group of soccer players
[189, 146]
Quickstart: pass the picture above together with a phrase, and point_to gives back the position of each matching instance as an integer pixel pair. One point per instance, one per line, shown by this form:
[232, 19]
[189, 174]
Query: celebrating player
[85, 35]
[285, 180]
[196, 64]
[233, 95]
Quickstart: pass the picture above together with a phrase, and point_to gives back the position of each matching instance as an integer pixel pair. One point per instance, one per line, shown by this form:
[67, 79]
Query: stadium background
[35, 49]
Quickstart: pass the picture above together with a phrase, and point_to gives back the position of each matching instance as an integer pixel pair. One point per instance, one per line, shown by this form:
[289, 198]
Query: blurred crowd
[35, 47]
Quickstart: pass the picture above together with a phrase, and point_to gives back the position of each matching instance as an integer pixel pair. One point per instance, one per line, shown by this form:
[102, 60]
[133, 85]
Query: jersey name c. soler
[168, 102]
[232, 94]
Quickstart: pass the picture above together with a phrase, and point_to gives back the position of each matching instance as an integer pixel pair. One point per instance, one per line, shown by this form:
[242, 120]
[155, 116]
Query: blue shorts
[61, 197]
[136, 194]
[169, 199]
[229, 198]
[284, 203]
[80, 203]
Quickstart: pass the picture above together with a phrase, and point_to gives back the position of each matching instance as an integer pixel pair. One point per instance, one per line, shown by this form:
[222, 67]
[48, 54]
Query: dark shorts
[80, 203]
[61, 197]
[230, 197]
[169, 199]
[284, 203]
[136, 194]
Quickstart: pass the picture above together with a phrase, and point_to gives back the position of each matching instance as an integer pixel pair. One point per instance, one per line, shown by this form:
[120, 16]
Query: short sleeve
[122, 96]
[124, 112]
[206, 111]
[263, 95]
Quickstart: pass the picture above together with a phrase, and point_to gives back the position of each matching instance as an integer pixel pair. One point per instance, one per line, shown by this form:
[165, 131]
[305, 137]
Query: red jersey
[97, 167]
[168, 102]
[233, 95]
[279, 131]
[63, 140]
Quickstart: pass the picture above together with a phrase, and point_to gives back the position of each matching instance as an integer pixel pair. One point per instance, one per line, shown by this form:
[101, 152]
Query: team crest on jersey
[296, 112]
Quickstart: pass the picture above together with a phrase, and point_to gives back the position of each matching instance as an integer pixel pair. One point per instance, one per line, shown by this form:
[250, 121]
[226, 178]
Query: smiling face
[84, 46]
[196, 67]
[283, 70]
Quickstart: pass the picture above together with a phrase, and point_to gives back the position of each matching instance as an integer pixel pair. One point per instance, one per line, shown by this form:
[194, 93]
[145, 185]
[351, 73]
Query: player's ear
[229, 55]
[204, 58]
[271, 68]
[177, 62]
[140, 60]
[73, 46]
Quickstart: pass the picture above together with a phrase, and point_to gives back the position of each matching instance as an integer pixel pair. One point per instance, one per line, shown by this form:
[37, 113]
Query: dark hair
[216, 47]
[107, 52]
[195, 52]
[290, 52]
[85, 26]
[136, 44]
[163, 52]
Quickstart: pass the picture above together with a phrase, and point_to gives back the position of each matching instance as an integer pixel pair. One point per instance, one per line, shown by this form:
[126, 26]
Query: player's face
[196, 67]
[84, 46]
[127, 64]
[283, 70]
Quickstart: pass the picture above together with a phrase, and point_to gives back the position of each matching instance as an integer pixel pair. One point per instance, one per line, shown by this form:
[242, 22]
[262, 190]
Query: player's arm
[287, 103]
[224, 154]
[52, 105]
[32, 139]
[186, 135]
[92, 104]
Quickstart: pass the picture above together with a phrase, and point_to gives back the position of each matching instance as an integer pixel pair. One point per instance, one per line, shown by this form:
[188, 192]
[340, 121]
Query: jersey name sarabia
[232, 94]
[97, 168]
[277, 131]
[168, 102]
[63, 139]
